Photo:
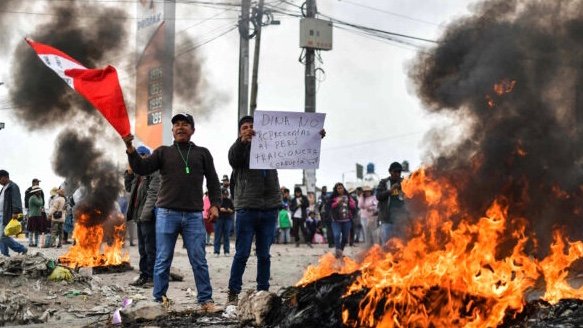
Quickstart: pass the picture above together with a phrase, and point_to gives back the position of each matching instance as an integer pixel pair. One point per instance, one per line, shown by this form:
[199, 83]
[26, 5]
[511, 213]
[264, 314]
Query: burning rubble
[99, 230]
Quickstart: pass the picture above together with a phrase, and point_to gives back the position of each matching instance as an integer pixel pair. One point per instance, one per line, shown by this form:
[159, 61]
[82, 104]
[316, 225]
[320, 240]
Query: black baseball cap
[395, 166]
[183, 117]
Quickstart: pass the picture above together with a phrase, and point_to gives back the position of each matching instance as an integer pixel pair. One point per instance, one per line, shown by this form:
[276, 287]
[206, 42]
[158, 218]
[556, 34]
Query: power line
[389, 12]
[97, 16]
[371, 29]
[380, 33]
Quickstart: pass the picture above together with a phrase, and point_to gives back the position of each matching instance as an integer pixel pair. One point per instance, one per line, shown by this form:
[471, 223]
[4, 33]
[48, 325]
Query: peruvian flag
[99, 86]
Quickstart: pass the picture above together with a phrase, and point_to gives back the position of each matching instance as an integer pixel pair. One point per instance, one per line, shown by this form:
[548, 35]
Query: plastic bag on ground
[61, 273]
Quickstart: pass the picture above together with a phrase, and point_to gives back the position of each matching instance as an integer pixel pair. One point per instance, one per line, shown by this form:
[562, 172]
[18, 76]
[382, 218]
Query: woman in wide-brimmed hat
[35, 224]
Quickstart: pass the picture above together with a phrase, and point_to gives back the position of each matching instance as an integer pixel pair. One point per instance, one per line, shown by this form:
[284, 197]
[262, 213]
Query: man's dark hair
[245, 119]
[4, 173]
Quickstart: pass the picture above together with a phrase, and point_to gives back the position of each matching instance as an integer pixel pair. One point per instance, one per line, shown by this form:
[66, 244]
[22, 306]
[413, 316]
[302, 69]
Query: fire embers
[97, 245]
[322, 304]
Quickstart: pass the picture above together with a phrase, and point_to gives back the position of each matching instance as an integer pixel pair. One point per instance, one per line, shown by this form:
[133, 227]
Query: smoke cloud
[524, 140]
[77, 158]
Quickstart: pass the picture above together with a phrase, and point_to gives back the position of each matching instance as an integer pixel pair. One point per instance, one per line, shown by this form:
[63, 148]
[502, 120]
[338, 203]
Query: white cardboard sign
[286, 140]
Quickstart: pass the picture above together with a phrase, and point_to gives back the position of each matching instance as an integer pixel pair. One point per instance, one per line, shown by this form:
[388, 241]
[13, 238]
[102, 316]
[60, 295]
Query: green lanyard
[186, 168]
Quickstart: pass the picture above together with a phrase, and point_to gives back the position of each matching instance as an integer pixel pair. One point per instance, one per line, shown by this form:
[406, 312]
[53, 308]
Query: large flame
[92, 249]
[451, 273]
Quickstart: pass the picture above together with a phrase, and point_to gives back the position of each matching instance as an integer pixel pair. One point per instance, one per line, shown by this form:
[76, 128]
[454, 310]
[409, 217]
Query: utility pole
[310, 91]
[244, 59]
[258, 24]
[310, 73]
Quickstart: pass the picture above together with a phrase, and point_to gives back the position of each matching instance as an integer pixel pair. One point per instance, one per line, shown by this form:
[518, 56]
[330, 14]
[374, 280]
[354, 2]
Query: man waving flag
[99, 86]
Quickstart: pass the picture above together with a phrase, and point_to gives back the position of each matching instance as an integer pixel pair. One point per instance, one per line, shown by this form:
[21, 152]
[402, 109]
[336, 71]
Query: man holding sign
[257, 199]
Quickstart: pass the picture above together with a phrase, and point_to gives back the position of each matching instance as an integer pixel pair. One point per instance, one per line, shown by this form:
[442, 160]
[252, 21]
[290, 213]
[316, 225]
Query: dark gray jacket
[253, 189]
[142, 198]
[383, 194]
[12, 202]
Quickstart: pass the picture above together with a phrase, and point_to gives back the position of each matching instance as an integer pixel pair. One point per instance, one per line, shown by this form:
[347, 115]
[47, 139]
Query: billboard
[154, 71]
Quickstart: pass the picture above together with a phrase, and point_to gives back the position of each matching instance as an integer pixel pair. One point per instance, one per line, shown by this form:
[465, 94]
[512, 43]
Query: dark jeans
[297, 225]
[147, 247]
[329, 233]
[170, 223]
[341, 233]
[222, 228]
[250, 223]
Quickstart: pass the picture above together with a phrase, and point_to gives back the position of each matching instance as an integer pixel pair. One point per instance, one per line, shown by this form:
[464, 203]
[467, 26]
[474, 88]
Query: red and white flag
[99, 86]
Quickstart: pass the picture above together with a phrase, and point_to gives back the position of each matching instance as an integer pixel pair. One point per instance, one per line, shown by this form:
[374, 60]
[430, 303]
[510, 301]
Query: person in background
[45, 238]
[325, 218]
[342, 210]
[225, 182]
[392, 210]
[208, 223]
[223, 224]
[285, 195]
[10, 208]
[367, 203]
[58, 205]
[284, 225]
[311, 225]
[69, 225]
[28, 192]
[183, 166]
[143, 193]
[36, 225]
[358, 232]
[299, 209]
[27, 195]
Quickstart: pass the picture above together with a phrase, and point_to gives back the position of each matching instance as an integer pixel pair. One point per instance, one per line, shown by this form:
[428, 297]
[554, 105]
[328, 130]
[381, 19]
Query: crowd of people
[165, 199]
[44, 224]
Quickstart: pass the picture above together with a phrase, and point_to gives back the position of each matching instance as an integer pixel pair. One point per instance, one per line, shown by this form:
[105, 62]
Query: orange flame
[500, 88]
[90, 249]
[450, 274]
[504, 86]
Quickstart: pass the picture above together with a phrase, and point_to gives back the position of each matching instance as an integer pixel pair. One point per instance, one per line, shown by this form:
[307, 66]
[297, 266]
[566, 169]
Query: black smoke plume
[77, 159]
[88, 33]
[525, 144]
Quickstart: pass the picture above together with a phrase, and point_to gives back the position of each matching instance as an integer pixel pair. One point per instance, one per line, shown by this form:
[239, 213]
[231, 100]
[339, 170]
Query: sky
[373, 114]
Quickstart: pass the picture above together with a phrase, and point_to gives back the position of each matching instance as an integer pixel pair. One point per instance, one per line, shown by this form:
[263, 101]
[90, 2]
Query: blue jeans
[341, 232]
[8, 243]
[147, 247]
[169, 224]
[261, 224]
[222, 228]
[387, 232]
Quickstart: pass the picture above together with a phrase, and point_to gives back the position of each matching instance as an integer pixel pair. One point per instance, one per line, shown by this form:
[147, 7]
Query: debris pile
[33, 289]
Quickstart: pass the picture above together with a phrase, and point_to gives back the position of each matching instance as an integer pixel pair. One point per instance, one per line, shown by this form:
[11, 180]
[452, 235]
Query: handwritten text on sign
[286, 140]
